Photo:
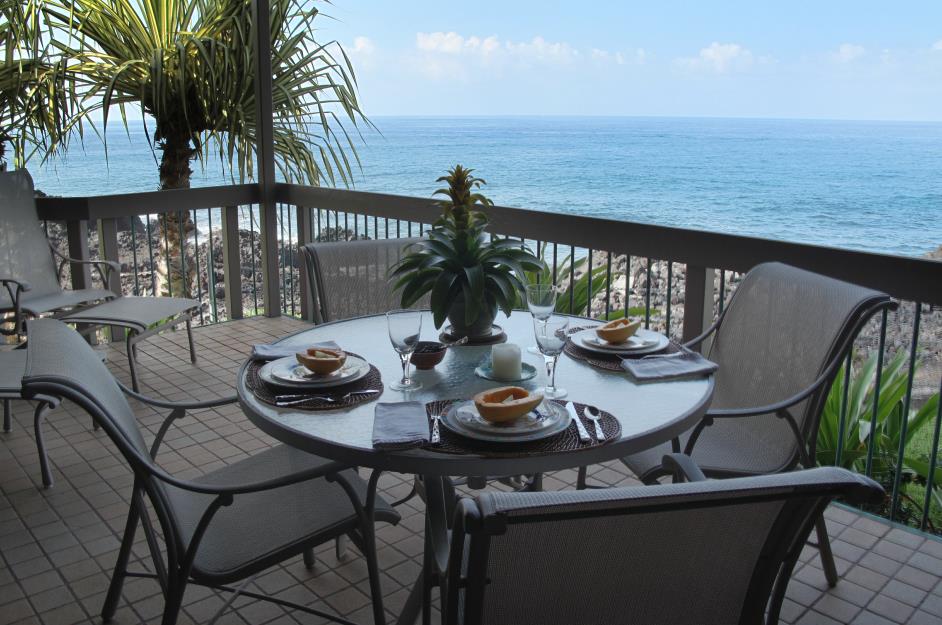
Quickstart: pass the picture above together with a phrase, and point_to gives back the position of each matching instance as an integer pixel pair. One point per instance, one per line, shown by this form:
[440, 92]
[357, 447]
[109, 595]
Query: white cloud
[720, 58]
[453, 43]
[362, 45]
[937, 46]
[848, 52]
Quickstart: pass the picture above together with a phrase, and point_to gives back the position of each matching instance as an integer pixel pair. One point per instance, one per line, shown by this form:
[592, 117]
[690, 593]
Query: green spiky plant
[469, 274]
[189, 65]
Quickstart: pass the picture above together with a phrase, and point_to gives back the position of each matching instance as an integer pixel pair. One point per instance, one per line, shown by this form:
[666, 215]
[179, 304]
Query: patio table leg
[438, 502]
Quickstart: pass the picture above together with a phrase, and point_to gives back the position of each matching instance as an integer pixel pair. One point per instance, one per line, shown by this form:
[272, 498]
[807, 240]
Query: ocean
[874, 186]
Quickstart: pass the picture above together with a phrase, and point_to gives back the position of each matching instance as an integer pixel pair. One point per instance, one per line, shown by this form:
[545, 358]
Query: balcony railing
[678, 280]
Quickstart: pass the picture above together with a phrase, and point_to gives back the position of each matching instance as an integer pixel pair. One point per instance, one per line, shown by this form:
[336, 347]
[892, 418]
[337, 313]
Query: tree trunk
[176, 274]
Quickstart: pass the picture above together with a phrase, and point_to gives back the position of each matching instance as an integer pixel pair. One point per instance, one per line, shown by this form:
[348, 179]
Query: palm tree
[37, 107]
[190, 65]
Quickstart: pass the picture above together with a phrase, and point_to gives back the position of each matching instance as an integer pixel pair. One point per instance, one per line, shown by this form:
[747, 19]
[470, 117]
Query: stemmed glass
[551, 339]
[405, 326]
[541, 300]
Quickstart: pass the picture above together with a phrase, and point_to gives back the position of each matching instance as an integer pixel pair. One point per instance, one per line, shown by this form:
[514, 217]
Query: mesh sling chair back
[351, 278]
[225, 526]
[717, 551]
[31, 280]
[778, 344]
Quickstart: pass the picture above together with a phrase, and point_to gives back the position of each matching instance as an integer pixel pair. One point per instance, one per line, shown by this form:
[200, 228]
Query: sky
[836, 59]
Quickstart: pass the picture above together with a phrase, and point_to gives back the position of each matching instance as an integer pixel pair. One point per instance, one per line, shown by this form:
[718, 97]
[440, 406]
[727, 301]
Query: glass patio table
[649, 414]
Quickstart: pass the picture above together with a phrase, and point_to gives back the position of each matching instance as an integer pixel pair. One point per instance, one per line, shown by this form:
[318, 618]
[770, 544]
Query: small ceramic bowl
[314, 361]
[505, 404]
[427, 354]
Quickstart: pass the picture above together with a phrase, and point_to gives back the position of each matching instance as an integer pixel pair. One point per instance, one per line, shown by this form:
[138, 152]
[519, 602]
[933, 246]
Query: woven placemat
[266, 392]
[604, 361]
[567, 440]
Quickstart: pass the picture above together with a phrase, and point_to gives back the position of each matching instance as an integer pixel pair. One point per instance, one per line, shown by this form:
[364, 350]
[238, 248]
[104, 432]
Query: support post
[108, 250]
[305, 228]
[698, 301]
[77, 231]
[265, 152]
[232, 261]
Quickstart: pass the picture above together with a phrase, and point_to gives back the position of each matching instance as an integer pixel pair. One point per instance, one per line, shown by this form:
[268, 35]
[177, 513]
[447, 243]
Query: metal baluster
[346, 226]
[398, 229]
[627, 283]
[327, 238]
[409, 228]
[933, 460]
[375, 227]
[878, 378]
[842, 420]
[167, 256]
[608, 285]
[356, 227]
[252, 254]
[319, 230]
[588, 297]
[211, 269]
[647, 298]
[904, 422]
[667, 299]
[281, 258]
[186, 286]
[722, 299]
[137, 286]
[555, 261]
[572, 278]
[150, 253]
[291, 245]
[199, 282]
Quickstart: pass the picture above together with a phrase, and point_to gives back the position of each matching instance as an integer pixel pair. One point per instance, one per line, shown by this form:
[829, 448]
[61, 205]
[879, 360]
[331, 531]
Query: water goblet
[551, 339]
[405, 326]
[541, 300]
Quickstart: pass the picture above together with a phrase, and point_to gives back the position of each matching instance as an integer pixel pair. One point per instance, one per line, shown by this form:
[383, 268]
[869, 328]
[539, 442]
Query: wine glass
[541, 300]
[551, 339]
[405, 326]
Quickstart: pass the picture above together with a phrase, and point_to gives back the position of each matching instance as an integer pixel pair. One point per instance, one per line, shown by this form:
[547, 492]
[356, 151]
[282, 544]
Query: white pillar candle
[505, 361]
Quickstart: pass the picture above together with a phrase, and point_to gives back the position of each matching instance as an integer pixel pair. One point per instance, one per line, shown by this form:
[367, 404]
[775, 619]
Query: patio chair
[351, 278]
[779, 345]
[691, 553]
[32, 287]
[226, 526]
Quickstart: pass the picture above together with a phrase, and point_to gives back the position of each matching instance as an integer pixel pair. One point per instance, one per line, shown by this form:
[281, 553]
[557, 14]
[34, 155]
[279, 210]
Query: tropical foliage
[578, 295]
[458, 260]
[37, 100]
[189, 65]
[886, 430]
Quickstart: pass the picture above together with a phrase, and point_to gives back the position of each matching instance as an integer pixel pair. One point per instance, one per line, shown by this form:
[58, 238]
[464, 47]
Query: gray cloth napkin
[400, 425]
[279, 350]
[683, 364]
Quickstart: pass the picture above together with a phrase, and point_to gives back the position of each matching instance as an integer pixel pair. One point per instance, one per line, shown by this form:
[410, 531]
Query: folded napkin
[683, 364]
[401, 425]
[283, 350]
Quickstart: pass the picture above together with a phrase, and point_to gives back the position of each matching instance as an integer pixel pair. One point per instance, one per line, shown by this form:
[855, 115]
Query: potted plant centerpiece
[469, 275]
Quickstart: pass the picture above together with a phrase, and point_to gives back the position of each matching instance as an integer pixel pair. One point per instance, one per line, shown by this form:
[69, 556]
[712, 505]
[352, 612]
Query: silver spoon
[592, 413]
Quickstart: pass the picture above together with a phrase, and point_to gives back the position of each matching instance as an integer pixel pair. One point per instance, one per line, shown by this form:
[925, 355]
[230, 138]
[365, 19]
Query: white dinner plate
[643, 342]
[289, 372]
[547, 420]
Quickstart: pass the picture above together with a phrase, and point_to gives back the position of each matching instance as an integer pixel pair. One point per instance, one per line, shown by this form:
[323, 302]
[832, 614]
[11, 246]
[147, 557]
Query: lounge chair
[679, 554]
[225, 526]
[351, 278]
[32, 283]
[779, 345]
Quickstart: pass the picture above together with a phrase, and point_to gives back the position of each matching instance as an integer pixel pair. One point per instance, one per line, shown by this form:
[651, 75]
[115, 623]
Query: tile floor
[57, 546]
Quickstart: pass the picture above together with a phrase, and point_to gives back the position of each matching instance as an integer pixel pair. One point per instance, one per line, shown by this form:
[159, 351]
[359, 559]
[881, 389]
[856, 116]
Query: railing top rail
[903, 277]
[131, 204]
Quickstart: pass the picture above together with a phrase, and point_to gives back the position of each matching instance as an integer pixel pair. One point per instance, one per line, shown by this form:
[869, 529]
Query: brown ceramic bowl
[427, 354]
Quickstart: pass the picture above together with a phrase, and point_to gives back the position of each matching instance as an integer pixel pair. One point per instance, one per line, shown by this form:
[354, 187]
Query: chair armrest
[173, 405]
[694, 342]
[683, 468]
[104, 267]
[16, 285]
[208, 488]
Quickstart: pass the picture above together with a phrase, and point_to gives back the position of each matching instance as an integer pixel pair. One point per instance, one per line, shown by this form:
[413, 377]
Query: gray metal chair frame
[804, 428]
[494, 537]
[356, 257]
[61, 366]
[31, 282]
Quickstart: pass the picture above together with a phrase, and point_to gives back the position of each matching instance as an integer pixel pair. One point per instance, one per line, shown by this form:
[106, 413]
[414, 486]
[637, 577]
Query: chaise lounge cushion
[139, 313]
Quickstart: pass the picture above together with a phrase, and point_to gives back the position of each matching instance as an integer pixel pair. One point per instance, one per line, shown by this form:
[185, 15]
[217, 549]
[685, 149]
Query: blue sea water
[873, 186]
